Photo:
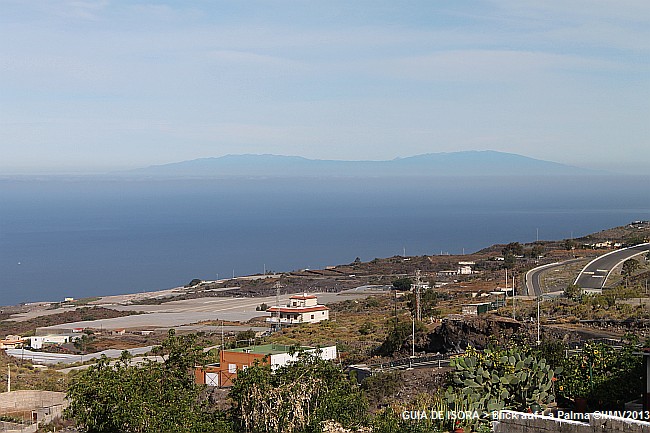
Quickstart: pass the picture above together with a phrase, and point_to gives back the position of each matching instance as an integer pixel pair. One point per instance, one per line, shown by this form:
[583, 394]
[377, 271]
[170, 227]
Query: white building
[476, 309]
[300, 309]
[465, 268]
[12, 342]
[39, 341]
[232, 361]
[592, 291]
[284, 358]
[447, 273]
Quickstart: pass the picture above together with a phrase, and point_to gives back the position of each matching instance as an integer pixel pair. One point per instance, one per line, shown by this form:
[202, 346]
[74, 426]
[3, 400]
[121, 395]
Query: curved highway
[595, 274]
[533, 277]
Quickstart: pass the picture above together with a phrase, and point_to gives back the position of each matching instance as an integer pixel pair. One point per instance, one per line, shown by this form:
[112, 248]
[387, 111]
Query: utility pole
[513, 297]
[538, 329]
[277, 302]
[8, 378]
[395, 308]
[418, 296]
[413, 342]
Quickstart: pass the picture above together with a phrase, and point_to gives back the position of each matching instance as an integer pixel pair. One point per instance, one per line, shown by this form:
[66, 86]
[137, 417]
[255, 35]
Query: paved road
[595, 274]
[533, 286]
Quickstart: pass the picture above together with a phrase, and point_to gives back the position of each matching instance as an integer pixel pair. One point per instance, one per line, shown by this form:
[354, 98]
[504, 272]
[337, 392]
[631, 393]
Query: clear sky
[99, 85]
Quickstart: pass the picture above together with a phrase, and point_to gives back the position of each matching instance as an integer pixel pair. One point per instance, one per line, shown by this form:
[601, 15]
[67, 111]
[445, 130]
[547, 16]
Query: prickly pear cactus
[503, 379]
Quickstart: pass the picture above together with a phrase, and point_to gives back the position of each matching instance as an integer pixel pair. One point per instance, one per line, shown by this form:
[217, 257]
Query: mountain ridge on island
[461, 164]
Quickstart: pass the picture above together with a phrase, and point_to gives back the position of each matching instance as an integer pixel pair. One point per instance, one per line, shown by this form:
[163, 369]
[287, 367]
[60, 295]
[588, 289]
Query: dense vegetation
[604, 376]
[25, 376]
[296, 398]
[303, 396]
[147, 398]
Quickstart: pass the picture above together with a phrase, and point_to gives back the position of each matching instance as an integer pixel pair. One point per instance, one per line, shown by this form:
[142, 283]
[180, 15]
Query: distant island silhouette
[466, 163]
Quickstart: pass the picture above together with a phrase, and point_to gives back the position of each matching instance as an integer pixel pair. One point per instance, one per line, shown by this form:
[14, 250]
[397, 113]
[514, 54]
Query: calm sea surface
[87, 237]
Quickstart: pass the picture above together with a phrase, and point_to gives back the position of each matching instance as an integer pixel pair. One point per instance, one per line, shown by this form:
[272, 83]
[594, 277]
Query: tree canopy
[146, 398]
[630, 266]
[513, 248]
[400, 337]
[296, 397]
[510, 253]
[403, 284]
[572, 292]
[428, 300]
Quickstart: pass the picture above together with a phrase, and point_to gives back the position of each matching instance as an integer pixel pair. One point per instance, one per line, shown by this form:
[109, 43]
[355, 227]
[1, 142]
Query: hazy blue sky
[97, 85]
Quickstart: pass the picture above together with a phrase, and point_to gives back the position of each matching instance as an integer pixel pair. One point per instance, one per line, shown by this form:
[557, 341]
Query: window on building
[232, 368]
[312, 317]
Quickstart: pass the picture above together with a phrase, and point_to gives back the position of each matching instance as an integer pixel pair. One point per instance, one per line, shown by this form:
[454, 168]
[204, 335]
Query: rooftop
[270, 349]
[304, 296]
[297, 309]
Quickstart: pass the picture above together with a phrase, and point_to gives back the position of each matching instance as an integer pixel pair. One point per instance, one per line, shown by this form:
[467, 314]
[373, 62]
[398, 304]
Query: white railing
[283, 320]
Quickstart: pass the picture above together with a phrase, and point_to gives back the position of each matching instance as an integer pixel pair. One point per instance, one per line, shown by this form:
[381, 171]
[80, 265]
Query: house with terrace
[301, 308]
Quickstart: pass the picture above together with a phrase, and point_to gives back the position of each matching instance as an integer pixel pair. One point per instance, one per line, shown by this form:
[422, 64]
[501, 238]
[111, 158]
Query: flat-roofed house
[476, 309]
[12, 342]
[37, 342]
[232, 361]
[302, 308]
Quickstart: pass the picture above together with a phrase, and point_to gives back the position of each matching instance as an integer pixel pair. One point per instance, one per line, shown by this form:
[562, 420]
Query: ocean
[79, 237]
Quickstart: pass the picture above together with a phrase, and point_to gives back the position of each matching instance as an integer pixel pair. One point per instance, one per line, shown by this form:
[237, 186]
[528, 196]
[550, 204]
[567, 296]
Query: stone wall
[41, 406]
[518, 422]
[28, 400]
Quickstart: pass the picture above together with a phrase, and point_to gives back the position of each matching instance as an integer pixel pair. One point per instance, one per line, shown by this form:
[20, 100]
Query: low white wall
[281, 359]
[519, 422]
